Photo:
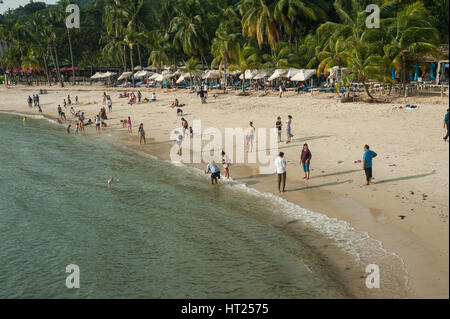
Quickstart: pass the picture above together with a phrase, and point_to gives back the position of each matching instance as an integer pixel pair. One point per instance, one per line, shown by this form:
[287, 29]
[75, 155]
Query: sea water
[159, 231]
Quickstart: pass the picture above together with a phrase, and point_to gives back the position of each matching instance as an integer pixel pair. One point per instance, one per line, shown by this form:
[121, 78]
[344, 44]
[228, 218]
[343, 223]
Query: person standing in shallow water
[141, 134]
[367, 163]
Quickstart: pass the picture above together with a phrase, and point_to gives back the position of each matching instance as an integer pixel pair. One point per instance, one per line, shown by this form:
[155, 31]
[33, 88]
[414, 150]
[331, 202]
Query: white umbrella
[262, 74]
[183, 77]
[249, 74]
[304, 75]
[292, 72]
[211, 74]
[125, 75]
[162, 77]
[142, 74]
[277, 74]
[138, 68]
[98, 75]
[109, 74]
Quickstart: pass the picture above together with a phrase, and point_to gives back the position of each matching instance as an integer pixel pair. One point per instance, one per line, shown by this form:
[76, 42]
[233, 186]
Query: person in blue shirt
[367, 163]
[214, 170]
[446, 119]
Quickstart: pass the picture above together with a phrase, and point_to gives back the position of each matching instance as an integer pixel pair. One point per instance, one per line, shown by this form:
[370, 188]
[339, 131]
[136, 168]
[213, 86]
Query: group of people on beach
[34, 101]
[212, 168]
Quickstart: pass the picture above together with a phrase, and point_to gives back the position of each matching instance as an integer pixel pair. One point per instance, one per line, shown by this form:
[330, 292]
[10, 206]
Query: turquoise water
[160, 231]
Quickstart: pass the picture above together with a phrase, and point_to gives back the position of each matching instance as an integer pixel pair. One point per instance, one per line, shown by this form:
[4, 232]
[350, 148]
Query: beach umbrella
[211, 74]
[142, 74]
[183, 77]
[125, 75]
[262, 74]
[278, 74]
[161, 77]
[138, 68]
[249, 74]
[97, 75]
[304, 75]
[109, 74]
[292, 72]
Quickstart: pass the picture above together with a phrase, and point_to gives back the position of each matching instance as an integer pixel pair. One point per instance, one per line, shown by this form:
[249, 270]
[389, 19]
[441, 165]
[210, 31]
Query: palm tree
[279, 59]
[246, 59]
[364, 64]
[188, 28]
[130, 40]
[333, 54]
[223, 50]
[411, 35]
[289, 12]
[191, 66]
[114, 20]
[258, 18]
[62, 7]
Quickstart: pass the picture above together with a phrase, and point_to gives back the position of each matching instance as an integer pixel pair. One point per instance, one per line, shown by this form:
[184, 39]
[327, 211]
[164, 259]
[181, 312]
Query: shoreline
[375, 218]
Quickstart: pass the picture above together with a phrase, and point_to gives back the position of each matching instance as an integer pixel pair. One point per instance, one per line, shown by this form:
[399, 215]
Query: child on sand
[279, 125]
[226, 164]
[129, 124]
[141, 134]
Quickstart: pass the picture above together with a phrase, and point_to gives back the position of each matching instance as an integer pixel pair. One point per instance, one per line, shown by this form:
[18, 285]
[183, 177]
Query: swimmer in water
[68, 129]
[110, 180]
[24, 119]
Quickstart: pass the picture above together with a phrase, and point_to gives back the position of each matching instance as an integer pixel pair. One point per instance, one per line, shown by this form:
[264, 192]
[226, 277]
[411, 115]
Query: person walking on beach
[305, 160]
[214, 170]
[281, 90]
[226, 164]
[289, 129]
[250, 137]
[446, 124]
[367, 163]
[279, 126]
[129, 125]
[141, 134]
[104, 98]
[37, 101]
[280, 165]
[30, 102]
[139, 96]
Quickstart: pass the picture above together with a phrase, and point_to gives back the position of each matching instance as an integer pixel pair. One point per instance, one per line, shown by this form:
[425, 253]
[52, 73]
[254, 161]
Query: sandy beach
[407, 208]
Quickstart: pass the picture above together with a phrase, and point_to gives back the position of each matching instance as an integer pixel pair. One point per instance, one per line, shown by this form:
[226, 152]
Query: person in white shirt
[280, 165]
[153, 97]
[226, 164]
